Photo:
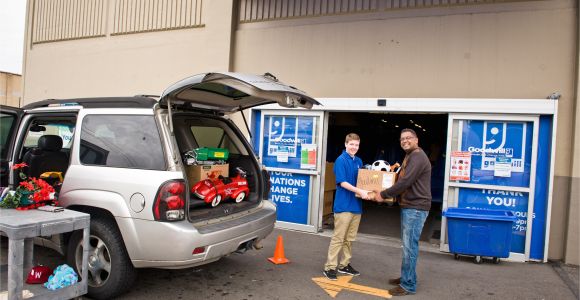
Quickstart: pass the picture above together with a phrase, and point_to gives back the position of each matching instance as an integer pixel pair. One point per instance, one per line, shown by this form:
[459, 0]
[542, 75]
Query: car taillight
[170, 201]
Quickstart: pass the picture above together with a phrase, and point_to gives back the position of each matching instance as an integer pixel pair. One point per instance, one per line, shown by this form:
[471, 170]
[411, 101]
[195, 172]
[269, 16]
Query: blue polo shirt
[346, 170]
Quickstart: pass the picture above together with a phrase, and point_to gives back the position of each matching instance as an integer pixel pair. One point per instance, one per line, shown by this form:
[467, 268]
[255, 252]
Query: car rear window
[123, 141]
[213, 137]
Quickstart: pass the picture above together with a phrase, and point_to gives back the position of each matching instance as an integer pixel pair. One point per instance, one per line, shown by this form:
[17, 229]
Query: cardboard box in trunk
[371, 180]
[197, 173]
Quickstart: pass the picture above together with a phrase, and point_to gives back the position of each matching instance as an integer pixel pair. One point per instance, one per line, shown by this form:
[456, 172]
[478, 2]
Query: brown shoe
[395, 281]
[398, 291]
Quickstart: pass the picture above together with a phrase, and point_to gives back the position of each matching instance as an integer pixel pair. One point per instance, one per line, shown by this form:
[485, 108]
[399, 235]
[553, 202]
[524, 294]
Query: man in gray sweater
[413, 188]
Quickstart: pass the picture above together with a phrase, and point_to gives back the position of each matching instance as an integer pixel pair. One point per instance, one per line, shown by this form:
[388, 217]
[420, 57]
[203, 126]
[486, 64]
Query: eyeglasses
[407, 138]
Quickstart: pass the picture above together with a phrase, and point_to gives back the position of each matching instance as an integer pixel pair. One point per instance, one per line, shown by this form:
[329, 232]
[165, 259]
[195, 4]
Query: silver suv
[123, 161]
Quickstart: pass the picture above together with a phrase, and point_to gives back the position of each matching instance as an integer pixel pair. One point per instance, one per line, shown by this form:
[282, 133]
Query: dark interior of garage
[379, 134]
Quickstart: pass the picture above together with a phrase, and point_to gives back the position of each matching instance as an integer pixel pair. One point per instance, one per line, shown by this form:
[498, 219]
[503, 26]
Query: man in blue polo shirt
[347, 210]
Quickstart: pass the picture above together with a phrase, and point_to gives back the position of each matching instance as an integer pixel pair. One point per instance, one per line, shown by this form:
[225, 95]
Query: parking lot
[252, 276]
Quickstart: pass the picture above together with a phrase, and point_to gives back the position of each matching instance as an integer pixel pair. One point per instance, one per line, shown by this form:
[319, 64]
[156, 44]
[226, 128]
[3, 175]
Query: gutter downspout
[571, 249]
[28, 25]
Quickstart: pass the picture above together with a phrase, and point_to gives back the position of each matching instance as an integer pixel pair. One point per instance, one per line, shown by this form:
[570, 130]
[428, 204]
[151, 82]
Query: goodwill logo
[501, 139]
[283, 135]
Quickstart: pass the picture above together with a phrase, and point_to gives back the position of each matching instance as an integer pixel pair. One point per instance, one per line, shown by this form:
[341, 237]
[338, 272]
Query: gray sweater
[414, 182]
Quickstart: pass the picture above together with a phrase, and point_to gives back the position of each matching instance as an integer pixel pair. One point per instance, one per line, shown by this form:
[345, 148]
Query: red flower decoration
[27, 185]
[37, 192]
[19, 166]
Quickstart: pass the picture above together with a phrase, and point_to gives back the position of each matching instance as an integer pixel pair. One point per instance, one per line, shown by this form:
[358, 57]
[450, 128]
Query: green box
[211, 154]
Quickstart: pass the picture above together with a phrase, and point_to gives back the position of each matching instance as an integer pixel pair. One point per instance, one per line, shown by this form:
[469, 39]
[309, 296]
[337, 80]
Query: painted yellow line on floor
[343, 283]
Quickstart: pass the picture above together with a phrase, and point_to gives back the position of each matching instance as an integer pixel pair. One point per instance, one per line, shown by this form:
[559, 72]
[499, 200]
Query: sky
[12, 18]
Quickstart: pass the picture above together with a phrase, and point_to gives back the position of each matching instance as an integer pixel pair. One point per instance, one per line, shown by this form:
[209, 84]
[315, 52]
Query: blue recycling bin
[479, 232]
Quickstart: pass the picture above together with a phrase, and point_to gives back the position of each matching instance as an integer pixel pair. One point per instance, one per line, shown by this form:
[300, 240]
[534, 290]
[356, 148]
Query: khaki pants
[345, 230]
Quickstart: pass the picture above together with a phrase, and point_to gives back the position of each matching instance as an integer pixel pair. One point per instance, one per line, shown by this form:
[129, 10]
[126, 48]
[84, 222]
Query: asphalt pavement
[252, 276]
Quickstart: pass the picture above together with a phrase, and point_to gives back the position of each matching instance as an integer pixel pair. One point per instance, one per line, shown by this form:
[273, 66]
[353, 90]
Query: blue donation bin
[479, 232]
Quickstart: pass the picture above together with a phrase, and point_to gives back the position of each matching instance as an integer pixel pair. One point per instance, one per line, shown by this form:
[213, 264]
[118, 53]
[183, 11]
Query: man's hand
[378, 197]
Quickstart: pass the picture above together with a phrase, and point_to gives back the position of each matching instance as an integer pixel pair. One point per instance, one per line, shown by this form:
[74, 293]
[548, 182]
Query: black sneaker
[349, 270]
[330, 274]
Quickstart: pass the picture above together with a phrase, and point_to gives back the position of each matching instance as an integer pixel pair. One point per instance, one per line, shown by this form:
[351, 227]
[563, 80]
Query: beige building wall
[573, 236]
[125, 60]
[10, 89]
[330, 48]
[518, 50]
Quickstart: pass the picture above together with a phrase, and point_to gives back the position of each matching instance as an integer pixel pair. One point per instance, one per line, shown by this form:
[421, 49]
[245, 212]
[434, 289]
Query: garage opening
[379, 134]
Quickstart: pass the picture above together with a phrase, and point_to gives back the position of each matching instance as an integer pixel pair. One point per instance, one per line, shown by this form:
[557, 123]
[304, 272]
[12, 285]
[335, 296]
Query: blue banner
[256, 130]
[542, 186]
[516, 202]
[291, 192]
[491, 141]
[283, 140]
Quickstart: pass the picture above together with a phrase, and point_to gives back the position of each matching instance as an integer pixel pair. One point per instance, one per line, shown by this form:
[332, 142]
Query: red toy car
[214, 190]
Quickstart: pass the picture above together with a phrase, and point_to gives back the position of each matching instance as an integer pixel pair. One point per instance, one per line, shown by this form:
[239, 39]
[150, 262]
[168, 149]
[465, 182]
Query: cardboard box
[371, 180]
[197, 173]
[329, 178]
[328, 203]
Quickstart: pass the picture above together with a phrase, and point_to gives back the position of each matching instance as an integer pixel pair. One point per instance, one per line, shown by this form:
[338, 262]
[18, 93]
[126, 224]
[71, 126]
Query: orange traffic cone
[279, 253]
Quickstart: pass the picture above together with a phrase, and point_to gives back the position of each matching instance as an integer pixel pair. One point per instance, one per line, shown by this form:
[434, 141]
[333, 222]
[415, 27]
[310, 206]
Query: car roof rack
[102, 102]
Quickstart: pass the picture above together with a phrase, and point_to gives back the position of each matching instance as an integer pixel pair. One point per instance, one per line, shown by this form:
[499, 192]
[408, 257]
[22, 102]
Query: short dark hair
[351, 136]
[409, 130]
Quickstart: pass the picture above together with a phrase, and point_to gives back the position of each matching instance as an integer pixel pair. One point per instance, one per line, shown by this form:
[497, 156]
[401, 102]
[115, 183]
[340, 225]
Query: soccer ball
[381, 165]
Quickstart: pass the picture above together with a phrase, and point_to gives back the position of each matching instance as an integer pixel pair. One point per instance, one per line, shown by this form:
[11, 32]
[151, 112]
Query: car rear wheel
[216, 200]
[111, 272]
[240, 197]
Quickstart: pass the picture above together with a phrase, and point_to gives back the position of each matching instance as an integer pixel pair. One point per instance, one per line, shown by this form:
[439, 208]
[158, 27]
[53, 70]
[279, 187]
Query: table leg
[85, 267]
[15, 268]
[28, 254]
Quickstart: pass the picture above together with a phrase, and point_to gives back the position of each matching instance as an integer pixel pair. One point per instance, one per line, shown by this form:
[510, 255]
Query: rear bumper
[170, 245]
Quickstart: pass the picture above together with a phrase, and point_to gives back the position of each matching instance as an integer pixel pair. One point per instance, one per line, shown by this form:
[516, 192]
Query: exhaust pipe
[245, 246]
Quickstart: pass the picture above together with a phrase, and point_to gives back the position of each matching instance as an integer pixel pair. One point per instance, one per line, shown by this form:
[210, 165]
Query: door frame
[523, 107]
[455, 186]
[314, 214]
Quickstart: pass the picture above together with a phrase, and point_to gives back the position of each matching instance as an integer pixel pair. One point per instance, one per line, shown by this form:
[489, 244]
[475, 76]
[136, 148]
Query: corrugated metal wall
[134, 16]
[268, 10]
[61, 20]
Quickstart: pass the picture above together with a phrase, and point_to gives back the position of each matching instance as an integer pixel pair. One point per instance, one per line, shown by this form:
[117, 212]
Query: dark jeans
[412, 221]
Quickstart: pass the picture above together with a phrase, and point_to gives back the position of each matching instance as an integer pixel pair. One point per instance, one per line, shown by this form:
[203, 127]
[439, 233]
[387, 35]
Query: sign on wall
[290, 142]
[507, 144]
[290, 192]
[460, 166]
[282, 135]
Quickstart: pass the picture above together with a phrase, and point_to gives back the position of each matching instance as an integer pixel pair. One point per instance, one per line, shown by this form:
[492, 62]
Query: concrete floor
[385, 221]
[251, 276]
